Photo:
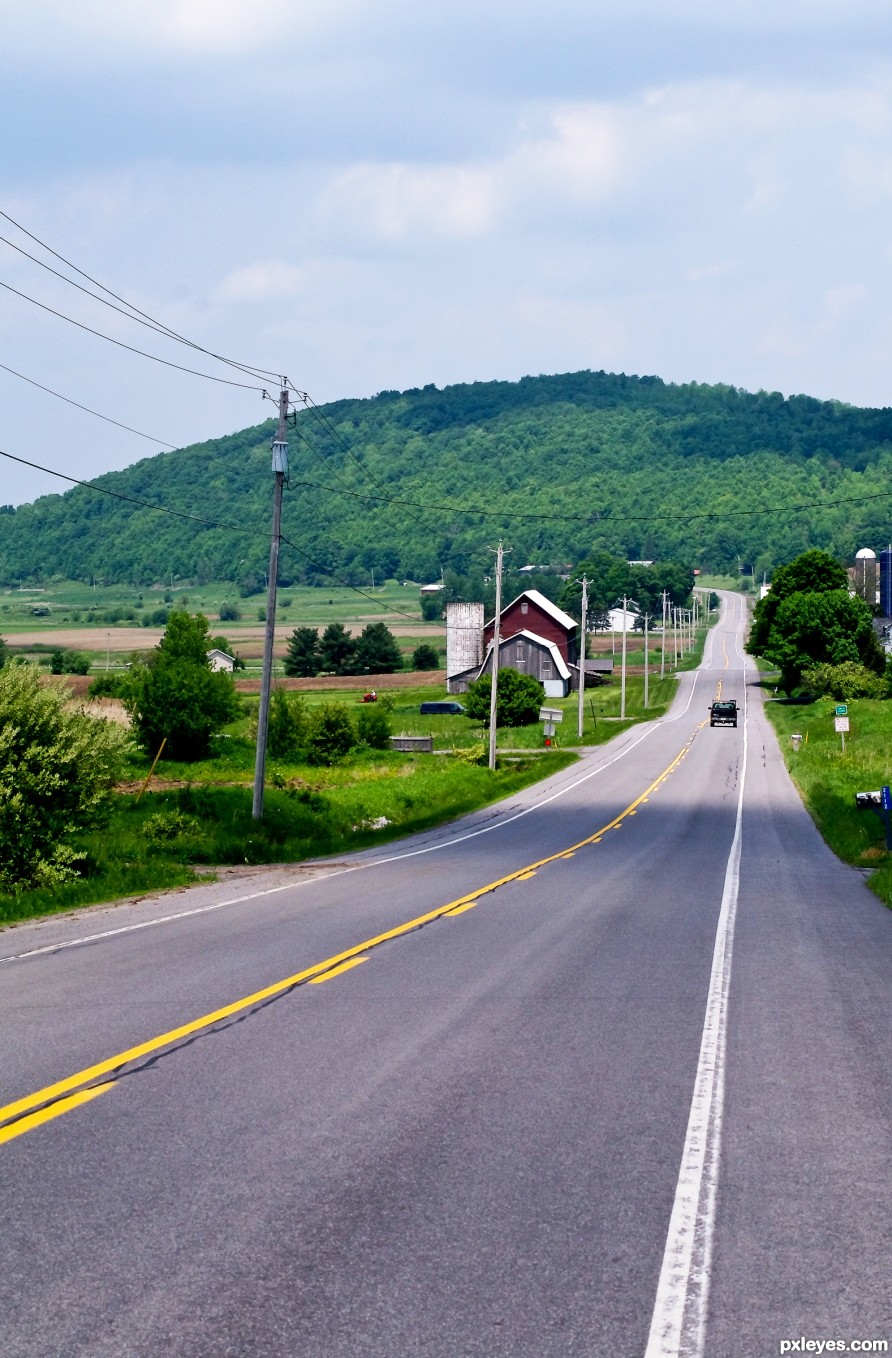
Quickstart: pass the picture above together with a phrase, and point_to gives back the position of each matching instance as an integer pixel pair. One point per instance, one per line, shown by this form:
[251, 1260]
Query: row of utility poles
[684, 624]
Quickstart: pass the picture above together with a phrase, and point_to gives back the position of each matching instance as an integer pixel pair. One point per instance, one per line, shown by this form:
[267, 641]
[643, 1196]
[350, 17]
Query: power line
[209, 377]
[132, 312]
[326, 423]
[99, 416]
[596, 516]
[129, 499]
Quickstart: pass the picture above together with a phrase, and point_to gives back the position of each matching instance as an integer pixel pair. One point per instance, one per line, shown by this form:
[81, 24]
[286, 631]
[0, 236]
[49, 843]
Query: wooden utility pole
[663, 649]
[280, 468]
[582, 649]
[493, 698]
[646, 621]
[622, 689]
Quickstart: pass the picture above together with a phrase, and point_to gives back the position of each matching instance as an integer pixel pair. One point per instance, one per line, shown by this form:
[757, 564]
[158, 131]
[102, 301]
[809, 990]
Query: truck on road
[723, 713]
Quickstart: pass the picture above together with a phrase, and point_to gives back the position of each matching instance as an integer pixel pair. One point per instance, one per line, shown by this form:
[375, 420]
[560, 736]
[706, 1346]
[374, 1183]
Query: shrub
[844, 682]
[175, 696]
[373, 727]
[330, 735]
[425, 657]
[107, 685]
[519, 698]
[287, 728]
[230, 612]
[69, 662]
[56, 769]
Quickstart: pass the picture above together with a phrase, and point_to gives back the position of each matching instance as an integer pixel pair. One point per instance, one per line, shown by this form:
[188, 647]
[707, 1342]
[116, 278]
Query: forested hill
[398, 484]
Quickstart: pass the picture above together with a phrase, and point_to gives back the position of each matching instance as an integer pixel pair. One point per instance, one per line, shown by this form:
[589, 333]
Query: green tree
[2, 653]
[518, 698]
[829, 628]
[56, 771]
[302, 659]
[377, 651]
[331, 734]
[425, 657]
[814, 572]
[176, 696]
[337, 650]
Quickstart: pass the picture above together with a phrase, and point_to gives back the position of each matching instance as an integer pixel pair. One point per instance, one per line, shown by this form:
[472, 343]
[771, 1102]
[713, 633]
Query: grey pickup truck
[723, 713]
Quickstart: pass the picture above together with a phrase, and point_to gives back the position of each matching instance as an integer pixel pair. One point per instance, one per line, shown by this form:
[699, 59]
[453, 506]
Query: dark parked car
[438, 709]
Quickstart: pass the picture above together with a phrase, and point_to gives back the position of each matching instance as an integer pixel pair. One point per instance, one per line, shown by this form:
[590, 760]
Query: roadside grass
[195, 816]
[828, 779]
[370, 797]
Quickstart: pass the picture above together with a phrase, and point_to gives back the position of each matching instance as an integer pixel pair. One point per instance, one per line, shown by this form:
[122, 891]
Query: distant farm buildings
[535, 637]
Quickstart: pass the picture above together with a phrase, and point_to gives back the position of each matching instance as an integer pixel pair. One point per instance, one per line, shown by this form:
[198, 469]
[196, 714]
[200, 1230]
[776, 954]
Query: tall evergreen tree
[302, 659]
[377, 651]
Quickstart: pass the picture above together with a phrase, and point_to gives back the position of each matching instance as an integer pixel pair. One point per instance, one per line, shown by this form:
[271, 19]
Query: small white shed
[221, 661]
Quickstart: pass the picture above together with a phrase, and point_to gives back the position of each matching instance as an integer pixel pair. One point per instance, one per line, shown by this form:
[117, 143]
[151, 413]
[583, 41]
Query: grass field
[195, 816]
[829, 777]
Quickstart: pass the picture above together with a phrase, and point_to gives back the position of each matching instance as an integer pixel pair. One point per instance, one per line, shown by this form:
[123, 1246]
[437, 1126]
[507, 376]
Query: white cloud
[259, 282]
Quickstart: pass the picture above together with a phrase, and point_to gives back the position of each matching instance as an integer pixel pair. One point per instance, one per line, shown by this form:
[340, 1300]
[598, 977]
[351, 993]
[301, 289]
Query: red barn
[532, 612]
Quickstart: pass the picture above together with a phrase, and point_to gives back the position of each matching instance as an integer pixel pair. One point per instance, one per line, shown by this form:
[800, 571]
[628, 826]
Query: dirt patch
[361, 683]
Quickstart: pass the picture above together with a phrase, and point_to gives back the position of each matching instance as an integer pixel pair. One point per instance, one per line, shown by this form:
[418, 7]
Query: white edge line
[678, 1325]
[360, 867]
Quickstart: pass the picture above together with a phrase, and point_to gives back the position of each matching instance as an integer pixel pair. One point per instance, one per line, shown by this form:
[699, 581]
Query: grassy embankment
[828, 778]
[197, 815]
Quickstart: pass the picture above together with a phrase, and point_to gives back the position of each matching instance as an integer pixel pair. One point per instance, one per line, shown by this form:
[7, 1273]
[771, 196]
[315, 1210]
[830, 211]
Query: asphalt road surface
[603, 1070]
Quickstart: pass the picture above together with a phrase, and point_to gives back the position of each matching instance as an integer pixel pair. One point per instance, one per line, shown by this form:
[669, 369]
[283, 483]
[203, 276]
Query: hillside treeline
[413, 483]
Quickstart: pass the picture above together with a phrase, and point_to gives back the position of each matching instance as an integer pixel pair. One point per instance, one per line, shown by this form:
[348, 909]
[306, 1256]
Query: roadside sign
[842, 709]
[886, 798]
[551, 714]
[841, 724]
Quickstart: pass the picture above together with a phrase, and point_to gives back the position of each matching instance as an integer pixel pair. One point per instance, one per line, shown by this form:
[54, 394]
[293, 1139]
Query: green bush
[287, 728]
[844, 682]
[425, 657]
[519, 698]
[331, 734]
[230, 612]
[69, 662]
[373, 727]
[108, 685]
[56, 770]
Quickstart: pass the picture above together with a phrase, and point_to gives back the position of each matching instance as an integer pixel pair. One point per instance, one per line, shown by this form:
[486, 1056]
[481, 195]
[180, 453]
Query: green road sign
[841, 709]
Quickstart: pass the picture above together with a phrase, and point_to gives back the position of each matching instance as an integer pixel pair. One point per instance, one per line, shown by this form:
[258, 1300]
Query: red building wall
[534, 620]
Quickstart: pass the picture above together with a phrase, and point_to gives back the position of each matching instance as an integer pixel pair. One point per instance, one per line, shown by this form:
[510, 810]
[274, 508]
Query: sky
[366, 195]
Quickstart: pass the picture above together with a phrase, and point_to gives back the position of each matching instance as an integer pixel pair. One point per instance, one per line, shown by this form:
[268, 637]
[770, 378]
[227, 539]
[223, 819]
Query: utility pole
[646, 693]
[280, 467]
[493, 698]
[663, 649]
[582, 649]
[622, 691]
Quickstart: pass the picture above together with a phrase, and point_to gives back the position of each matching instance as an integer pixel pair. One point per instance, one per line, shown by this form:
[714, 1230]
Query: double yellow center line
[55, 1099]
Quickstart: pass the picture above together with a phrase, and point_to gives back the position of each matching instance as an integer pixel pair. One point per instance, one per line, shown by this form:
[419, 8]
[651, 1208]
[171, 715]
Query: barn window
[518, 651]
[546, 669]
[524, 607]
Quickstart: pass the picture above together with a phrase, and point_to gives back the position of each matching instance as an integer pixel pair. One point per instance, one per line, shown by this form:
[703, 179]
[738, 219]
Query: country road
[603, 1070]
